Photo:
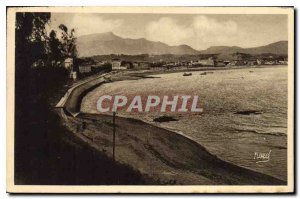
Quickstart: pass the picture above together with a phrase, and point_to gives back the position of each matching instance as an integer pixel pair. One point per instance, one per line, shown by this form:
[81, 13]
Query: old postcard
[150, 99]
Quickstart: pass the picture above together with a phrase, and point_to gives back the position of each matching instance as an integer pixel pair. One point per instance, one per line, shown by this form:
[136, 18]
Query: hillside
[280, 47]
[109, 43]
[277, 48]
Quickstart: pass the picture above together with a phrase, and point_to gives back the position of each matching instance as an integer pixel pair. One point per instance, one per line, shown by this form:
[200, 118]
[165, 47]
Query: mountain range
[109, 43]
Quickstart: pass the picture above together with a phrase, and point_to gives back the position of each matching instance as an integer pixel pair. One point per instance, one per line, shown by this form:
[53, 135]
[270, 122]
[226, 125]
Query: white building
[207, 62]
[68, 63]
[116, 64]
[85, 69]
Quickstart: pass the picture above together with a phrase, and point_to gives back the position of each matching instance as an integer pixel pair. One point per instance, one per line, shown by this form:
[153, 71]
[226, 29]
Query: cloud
[200, 33]
[167, 30]
[212, 26]
[87, 24]
[209, 31]
[197, 31]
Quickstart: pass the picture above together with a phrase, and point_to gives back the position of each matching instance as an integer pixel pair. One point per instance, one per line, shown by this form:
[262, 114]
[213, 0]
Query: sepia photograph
[150, 99]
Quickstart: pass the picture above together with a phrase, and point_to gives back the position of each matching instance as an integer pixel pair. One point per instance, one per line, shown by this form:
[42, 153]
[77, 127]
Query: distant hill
[109, 43]
[280, 47]
[277, 48]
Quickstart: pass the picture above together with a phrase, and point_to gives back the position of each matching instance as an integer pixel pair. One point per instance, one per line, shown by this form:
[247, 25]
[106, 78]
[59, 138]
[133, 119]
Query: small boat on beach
[187, 74]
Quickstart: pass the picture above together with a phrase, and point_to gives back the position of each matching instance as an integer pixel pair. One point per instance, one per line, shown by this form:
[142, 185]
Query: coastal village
[87, 66]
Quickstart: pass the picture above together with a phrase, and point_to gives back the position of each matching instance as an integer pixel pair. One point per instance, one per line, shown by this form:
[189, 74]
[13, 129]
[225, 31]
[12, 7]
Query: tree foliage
[68, 40]
[31, 38]
[33, 44]
[34, 47]
[55, 48]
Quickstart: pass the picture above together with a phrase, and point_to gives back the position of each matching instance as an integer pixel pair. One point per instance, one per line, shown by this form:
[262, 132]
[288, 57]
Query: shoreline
[152, 153]
[204, 68]
[163, 158]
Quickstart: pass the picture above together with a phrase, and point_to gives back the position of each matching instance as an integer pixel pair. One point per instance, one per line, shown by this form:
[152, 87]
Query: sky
[197, 31]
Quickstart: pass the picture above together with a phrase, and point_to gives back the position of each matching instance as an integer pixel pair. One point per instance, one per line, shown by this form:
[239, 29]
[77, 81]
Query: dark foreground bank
[47, 153]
